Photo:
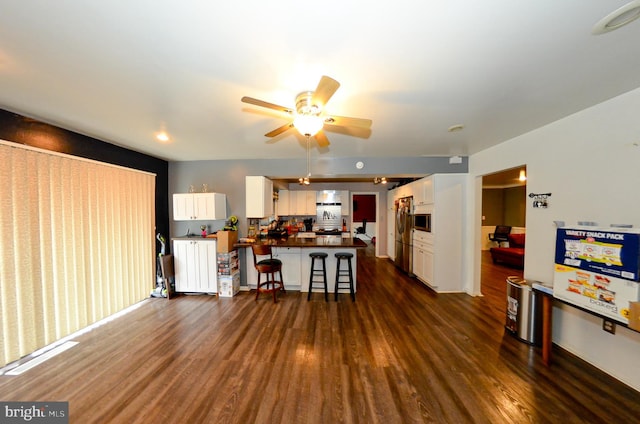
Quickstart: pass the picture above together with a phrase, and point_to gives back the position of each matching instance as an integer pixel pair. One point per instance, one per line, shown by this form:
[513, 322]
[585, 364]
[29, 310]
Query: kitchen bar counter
[321, 241]
[296, 263]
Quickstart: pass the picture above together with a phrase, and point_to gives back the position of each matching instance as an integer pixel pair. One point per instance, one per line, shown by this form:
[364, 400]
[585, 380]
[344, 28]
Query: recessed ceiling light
[454, 128]
[618, 18]
[162, 136]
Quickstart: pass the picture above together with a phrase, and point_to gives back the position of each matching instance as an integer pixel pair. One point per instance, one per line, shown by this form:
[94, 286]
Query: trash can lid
[514, 279]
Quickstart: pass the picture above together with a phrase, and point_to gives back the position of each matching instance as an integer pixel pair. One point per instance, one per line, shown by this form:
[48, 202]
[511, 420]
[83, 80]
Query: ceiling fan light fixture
[308, 125]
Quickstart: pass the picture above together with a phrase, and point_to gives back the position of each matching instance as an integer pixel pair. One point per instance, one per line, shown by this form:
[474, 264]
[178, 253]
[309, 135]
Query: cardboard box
[602, 294]
[226, 240]
[613, 252]
[227, 257]
[229, 286]
[224, 270]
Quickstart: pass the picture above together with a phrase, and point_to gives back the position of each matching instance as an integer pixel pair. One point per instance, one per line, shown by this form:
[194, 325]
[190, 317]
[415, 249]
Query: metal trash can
[524, 311]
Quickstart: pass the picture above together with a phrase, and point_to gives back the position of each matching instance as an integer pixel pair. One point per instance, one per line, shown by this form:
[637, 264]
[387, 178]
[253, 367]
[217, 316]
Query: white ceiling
[121, 70]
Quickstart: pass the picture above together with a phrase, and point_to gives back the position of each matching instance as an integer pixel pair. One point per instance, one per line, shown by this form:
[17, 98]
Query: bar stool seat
[318, 272]
[269, 266]
[344, 273]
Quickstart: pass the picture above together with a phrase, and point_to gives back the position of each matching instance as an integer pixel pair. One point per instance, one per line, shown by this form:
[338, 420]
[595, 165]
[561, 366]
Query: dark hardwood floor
[399, 354]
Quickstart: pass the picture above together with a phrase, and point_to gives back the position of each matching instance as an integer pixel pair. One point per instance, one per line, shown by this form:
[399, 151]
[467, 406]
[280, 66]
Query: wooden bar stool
[318, 272]
[269, 266]
[344, 256]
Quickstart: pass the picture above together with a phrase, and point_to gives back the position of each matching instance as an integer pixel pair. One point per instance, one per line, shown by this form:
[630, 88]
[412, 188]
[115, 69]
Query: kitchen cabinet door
[183, 207]
[345, 200]
[259, 196]
[427, 190]
[305, 202]
[210, 206]
[283, 203]
[199, 206]
[195, 263]
[428, 267]
[299, 198]
[418, 261]
[290, 257]
[310, 202]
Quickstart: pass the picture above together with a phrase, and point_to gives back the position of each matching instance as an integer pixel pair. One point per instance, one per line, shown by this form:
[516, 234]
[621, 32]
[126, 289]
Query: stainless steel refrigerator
[404, 230]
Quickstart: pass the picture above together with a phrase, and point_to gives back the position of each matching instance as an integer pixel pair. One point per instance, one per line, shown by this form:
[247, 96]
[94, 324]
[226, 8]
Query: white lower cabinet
[195, 262]
[290, 257]
[423, 260]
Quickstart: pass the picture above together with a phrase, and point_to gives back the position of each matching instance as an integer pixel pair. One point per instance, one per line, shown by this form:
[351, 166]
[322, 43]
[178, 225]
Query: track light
[304, 181]
[382, 180]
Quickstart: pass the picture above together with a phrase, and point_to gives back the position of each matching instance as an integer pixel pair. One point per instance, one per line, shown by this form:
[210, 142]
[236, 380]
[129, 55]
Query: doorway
[503, 204]
[365, 213]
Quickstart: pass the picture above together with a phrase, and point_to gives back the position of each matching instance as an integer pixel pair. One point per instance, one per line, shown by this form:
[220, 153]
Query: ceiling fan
[308, 116]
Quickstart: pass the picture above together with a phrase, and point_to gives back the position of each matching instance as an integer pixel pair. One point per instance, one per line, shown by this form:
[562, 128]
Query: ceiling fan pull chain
[308, 157]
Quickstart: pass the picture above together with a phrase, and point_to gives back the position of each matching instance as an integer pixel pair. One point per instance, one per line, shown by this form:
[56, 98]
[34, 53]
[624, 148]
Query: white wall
[591, 164]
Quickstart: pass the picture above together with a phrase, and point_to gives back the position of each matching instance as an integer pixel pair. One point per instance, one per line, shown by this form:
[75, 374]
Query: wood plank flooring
[399, 354]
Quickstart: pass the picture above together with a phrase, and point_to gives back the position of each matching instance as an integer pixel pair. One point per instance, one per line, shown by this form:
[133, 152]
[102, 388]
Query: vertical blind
[76, 245]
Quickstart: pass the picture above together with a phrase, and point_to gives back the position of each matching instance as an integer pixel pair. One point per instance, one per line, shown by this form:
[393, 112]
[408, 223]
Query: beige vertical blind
[76, 245]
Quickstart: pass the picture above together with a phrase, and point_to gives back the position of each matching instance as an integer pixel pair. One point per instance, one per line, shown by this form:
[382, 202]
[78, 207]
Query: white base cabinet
[290, 257]
[196, 267]
[423, 258]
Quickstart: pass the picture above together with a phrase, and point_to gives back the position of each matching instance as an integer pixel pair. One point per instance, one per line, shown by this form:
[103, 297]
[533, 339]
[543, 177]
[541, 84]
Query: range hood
[328, 197]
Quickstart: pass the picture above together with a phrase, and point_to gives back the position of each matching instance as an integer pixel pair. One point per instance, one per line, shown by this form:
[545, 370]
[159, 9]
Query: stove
[329, 232]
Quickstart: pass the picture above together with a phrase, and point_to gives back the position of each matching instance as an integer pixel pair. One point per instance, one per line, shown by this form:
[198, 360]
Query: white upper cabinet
[284, 201]
[296, 202]
[259, 196]
[305, 202]
[423, 191]
[345, 200]
[199, 206]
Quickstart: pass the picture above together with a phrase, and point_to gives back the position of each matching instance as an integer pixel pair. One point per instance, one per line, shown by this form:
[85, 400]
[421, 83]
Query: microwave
[422, 222]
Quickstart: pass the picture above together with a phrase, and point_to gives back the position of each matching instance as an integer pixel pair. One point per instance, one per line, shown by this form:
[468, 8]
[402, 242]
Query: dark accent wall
[504, 206]
[31, 132]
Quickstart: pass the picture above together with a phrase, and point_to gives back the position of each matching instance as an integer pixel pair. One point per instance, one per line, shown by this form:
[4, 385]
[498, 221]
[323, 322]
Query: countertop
[209, 237]
[324, 242]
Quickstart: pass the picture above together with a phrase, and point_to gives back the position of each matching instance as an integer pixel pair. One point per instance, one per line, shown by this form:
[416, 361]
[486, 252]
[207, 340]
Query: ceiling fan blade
[262, 103]
[346, 121]
[326, 88]
[322, 139]
[279, 130]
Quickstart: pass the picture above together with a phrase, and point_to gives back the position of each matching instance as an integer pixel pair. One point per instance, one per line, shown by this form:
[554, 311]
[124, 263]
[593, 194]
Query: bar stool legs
[318, 272]
[348, 273]
[271, 285]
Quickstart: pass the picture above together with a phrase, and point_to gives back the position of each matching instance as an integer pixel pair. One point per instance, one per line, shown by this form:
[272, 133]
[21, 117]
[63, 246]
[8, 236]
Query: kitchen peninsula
[296, 264]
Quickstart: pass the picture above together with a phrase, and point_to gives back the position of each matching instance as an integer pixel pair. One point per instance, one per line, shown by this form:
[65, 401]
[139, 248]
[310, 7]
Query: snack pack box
[603, 294]
[611, 252]
[229, 286]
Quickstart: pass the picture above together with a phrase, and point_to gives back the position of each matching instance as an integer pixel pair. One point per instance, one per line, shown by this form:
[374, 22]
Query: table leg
[547, 314]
